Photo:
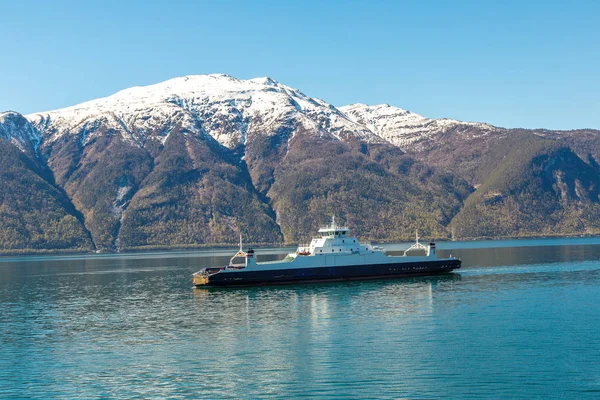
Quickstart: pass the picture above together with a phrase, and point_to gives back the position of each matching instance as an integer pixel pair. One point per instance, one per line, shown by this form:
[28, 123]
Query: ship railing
[334, 226]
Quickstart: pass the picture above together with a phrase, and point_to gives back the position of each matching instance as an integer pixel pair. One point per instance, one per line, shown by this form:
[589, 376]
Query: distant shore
[142, 249]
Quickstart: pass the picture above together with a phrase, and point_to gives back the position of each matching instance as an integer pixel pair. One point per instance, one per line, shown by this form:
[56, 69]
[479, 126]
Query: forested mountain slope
[199, 160]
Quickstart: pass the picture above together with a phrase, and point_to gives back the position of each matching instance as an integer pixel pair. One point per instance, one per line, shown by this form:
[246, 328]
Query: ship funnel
[250, 260]
[431, 251]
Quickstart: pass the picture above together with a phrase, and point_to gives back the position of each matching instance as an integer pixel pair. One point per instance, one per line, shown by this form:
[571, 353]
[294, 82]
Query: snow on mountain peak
[233, 111]
[401, 127]
[265, 81]
[18, 130]
[226, 108]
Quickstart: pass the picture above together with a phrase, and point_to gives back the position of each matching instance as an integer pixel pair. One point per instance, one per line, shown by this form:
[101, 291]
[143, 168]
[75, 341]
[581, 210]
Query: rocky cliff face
[35, 213]
[200, 159]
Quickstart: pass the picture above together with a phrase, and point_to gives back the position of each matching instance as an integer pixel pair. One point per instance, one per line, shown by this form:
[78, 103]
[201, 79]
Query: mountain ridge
[191, 160]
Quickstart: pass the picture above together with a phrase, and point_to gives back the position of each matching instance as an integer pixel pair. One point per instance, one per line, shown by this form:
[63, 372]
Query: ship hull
[331, 273]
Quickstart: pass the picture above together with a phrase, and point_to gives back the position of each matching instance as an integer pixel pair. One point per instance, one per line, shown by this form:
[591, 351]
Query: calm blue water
[515, 322]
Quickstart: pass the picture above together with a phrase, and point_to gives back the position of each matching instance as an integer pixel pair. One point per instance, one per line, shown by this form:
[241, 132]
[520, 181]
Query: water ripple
[134, 328]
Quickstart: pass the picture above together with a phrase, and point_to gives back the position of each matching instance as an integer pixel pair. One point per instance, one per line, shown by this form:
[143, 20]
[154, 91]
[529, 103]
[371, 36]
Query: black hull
[331, 274]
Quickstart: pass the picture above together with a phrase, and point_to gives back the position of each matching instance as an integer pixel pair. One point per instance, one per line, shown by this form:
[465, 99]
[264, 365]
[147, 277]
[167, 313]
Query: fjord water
[521, 319]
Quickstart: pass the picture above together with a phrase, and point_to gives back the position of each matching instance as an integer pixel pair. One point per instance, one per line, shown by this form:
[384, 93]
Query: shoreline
[261, 246]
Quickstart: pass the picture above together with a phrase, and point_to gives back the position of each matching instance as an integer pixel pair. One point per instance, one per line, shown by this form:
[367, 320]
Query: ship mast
[240, 253]
[417, 245]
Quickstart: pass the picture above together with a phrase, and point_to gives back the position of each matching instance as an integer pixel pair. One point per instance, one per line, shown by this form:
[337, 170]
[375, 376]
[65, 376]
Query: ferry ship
[333, 256]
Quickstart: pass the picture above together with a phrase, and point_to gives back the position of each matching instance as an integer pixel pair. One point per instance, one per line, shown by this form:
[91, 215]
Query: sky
[529, 64]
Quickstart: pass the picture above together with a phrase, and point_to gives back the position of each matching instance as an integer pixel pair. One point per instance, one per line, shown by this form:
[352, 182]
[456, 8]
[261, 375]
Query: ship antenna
[241, 242]
[333, 221]
[417, 235]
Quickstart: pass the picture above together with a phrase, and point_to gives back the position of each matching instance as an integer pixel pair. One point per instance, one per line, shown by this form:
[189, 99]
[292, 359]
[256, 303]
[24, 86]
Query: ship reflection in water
[377, 297]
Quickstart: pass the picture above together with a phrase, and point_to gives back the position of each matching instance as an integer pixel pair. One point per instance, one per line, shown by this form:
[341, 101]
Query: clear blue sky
[511, 63]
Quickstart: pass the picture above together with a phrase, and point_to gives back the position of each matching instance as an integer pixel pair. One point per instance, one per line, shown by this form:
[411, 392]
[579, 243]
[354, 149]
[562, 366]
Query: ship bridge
[333, 230]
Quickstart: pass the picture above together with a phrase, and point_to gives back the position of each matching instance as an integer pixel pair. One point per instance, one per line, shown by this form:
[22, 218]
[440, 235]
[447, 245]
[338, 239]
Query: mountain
[230, 110]
[408, 130]
[35, 214]
[17, 130]
[198, 160]
[535, 187]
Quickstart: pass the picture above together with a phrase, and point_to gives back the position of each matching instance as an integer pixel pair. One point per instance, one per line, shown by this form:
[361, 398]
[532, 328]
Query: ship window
[320, 251]
[343, 241]
[340, 249]
[332, 250]
[353, 241]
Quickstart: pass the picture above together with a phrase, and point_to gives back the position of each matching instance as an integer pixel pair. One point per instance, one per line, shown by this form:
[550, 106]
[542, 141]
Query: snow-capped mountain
[233, 111]
[404, 128]
[230, 110]
[20, 132]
